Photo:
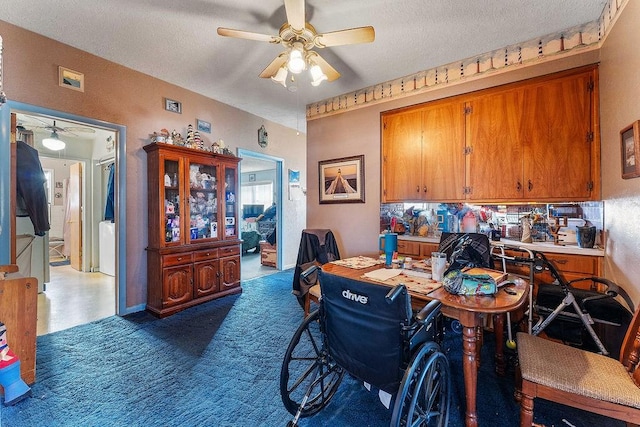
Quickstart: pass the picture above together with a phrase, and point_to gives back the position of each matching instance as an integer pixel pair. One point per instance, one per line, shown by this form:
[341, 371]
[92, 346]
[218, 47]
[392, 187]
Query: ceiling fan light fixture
[317, 76]
[296, 63]
[281, 76]
[54, 143]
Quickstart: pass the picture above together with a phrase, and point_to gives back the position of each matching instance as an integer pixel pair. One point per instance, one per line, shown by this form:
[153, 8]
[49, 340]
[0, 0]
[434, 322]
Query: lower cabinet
[186, 277]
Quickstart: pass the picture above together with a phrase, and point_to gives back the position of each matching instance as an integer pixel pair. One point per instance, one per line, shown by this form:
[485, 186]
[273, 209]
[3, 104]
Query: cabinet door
[177, 285]
[495, 157]
[229, 205]
[402, 156]
[557, 139]
[230, 277]
[443, 162]
[171, 199]
[206, 278]
[203, 201]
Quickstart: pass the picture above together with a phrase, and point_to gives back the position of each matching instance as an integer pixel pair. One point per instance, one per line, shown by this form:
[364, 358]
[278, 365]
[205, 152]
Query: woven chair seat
[576, 371]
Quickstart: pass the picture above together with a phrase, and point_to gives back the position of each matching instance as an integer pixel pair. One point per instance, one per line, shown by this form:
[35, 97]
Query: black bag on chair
[466, 250]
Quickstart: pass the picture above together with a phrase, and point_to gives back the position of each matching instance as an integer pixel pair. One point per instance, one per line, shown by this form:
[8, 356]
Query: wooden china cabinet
[193, 254]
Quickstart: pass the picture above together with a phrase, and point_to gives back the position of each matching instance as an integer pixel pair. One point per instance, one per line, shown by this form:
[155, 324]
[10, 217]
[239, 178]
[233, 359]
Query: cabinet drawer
[205, 255]
[229, 250]
[574, 263]
[427, 248]
[176, 259]
[408, 248]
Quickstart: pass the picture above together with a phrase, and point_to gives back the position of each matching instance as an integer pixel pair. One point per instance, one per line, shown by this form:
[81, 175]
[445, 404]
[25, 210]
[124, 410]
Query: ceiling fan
[299, 39]
[39, 123]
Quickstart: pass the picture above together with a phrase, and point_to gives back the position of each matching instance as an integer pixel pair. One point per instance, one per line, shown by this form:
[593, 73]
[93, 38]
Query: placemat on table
[358, 262]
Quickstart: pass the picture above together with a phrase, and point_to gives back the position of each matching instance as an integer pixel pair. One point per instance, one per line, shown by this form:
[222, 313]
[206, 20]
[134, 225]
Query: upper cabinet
[423, 153]
[535, 140]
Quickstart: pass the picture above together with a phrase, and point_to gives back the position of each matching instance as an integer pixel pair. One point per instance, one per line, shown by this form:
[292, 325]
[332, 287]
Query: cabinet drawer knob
[179, 258]
[530, 185]
[425, 189]
[518, 186]
[417, 188]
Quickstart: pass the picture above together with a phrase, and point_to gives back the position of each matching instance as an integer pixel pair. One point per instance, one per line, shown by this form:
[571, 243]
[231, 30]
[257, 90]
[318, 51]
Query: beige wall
[619, 107]
[358, 132]
[122, 96]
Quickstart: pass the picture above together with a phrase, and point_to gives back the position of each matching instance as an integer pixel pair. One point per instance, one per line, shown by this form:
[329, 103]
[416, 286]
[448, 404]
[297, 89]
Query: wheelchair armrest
[428, 311]
[394, 292]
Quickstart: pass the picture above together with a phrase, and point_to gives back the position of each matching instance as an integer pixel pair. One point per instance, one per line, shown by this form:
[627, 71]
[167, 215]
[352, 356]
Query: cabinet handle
[425, 188]
[179, 258]
[530, 185]
[518, 186]
[561, 261]
[417, 188]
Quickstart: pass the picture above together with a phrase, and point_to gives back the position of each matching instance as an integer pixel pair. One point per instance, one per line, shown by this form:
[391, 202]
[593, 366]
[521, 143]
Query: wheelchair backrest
[364, 332]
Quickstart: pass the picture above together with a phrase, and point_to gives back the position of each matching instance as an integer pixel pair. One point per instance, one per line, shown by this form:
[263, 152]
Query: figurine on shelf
[197, 140]
[215, 147]
[190, 136]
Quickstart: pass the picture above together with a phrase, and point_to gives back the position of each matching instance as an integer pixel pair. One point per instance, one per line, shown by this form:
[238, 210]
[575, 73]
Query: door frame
[120, 193]
[279, 192]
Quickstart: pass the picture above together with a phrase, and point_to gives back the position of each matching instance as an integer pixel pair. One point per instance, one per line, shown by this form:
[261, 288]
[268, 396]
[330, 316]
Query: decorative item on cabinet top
[193, 139]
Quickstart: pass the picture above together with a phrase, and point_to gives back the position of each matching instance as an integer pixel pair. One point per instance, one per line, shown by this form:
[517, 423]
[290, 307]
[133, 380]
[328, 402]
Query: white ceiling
[176, 41]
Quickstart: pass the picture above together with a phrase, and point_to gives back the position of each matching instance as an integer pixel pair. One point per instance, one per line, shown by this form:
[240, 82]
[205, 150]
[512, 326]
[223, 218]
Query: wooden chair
[581, 379]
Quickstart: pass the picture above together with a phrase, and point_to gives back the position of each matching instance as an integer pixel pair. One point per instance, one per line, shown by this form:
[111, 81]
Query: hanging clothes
[31, 195]
[109, 210]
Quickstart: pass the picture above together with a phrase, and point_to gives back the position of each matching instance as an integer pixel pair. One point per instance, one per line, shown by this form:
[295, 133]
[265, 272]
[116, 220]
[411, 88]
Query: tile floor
[74, 298]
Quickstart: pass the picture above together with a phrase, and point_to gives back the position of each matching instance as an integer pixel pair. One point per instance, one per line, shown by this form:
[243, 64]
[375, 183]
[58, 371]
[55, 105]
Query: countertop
[548, 247]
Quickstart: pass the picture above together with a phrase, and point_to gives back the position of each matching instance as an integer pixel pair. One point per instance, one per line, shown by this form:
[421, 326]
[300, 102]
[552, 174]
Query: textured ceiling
[176, 41]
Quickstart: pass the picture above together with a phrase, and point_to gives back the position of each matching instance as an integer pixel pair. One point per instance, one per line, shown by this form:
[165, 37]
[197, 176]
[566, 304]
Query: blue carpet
[218, 364]
[60, 263]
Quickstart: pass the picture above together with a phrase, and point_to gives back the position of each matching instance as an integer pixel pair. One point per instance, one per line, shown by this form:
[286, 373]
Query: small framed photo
[203, 126]
[630, 149]
[342, 180]
[70, 79]
[173, 106]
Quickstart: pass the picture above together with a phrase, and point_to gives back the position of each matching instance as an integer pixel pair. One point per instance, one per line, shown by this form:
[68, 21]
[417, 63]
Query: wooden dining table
[470, 311]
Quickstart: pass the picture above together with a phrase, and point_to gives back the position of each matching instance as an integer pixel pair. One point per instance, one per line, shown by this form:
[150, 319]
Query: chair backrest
[364, 331]
[478, 242]
[317, 246]
[630, 350]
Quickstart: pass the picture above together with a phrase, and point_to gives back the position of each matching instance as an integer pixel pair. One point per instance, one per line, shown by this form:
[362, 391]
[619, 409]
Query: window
[257, 194]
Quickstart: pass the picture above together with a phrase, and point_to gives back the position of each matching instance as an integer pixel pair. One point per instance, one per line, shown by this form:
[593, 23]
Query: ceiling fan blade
[342, 37]
[275, 65]
[239, 34]
[77, 129]
[326, 68]
[295, 14]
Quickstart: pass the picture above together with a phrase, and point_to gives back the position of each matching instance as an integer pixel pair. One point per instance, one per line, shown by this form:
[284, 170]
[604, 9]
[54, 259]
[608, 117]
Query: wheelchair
[370, 332]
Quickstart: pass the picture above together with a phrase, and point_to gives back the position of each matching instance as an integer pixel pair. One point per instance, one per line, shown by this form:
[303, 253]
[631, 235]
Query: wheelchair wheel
[308, 370]
[424, 396]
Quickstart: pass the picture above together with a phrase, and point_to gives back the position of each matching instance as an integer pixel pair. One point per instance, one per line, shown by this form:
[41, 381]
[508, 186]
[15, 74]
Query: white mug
[438, 265]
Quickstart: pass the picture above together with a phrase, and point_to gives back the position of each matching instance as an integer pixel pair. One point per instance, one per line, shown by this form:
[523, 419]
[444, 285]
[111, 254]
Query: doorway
[261, 194]
[90, 158]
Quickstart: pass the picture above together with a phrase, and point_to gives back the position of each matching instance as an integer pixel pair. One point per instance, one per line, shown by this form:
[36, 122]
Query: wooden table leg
[470, 322]
[498, 329]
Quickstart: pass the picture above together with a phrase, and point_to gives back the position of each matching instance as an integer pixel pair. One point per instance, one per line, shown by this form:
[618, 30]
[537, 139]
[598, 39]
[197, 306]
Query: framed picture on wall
[173, 106]
[630, 149]
[70, 79]
[342, 180]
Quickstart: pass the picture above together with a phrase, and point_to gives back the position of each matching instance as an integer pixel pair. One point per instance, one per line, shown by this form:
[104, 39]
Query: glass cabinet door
[203, 202]
[172, 201]
[230, 205]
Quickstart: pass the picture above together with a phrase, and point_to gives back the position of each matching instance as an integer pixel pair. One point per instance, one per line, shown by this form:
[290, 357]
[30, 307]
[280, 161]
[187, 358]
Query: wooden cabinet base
[165, 312]
[18, 311]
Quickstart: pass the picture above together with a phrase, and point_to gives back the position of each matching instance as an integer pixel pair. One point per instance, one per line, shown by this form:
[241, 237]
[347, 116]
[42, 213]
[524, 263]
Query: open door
[75, 215]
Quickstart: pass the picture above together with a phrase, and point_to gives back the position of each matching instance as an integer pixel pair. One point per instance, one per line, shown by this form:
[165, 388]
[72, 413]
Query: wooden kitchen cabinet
[193, 253]
[570, 267]
[522, 139]
[512, 143]
[423, 153]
